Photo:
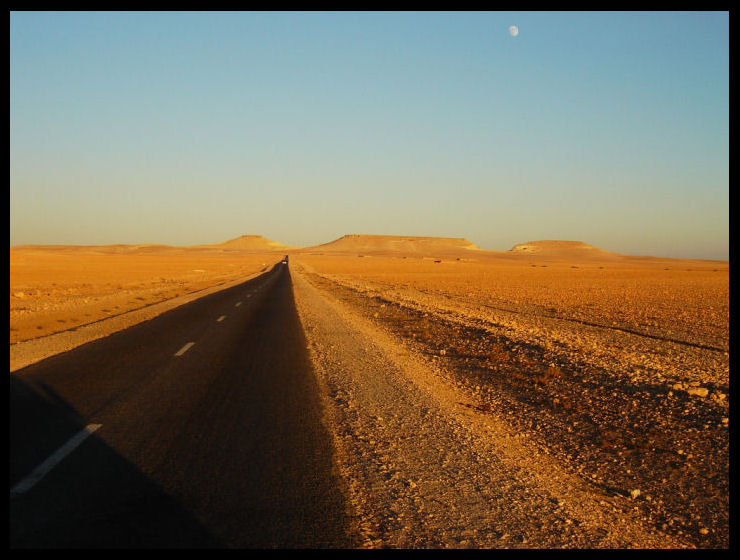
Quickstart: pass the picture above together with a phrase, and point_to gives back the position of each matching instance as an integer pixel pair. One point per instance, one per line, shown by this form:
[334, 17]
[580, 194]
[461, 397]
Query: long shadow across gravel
[223, 446]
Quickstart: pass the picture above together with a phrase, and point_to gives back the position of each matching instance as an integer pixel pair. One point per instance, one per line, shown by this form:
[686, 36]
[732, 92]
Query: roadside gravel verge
[427, 468]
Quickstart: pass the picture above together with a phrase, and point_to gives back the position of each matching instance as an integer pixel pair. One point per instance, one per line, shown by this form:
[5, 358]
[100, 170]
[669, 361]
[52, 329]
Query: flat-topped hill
[563, 249]
[249, 243]
[396, 244]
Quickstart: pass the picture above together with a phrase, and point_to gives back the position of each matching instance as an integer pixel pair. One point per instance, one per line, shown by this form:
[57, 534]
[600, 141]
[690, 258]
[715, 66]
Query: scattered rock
[698, 391]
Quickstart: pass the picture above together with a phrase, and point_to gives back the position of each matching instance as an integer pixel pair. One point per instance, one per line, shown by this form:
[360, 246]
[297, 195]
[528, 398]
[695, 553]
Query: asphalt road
[203, 430]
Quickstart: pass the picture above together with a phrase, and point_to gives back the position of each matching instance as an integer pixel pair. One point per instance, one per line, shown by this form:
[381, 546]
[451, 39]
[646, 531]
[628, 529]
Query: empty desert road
[199, 428]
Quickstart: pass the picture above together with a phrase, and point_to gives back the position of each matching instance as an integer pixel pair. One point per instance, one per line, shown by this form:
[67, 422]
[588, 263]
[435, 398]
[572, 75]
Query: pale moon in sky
[513, 31]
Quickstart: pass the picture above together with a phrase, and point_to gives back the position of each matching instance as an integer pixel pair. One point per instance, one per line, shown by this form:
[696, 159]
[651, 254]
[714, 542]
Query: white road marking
[249, 295]
[43, 469]
[221, 318]
[238, 303]
[184, 349]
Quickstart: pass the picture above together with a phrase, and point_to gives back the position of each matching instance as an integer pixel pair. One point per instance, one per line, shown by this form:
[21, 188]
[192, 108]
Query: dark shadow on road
[93, 499]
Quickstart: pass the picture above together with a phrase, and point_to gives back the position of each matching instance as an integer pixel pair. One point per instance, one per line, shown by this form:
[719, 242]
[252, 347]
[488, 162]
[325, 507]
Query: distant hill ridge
[250, 243]
[256, 243]
[365, 243]
[561, 248]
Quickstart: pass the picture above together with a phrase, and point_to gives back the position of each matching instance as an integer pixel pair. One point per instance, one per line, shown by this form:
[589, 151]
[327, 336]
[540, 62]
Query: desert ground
[553, 395]
[61, 290]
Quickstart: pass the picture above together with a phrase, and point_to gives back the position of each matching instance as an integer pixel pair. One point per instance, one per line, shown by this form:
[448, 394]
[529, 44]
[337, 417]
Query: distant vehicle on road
[285, 259]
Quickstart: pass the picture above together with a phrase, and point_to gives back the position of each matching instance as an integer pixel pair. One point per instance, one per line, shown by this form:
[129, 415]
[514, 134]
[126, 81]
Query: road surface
[199, 428]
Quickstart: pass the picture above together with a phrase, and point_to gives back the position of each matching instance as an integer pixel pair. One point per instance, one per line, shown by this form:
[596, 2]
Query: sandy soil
[427, 469]
[616, 370]
[62, 296]
[555, 395]
[684, 303]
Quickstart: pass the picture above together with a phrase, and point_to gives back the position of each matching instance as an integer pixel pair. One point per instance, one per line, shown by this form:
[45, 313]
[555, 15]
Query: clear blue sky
[188, 128]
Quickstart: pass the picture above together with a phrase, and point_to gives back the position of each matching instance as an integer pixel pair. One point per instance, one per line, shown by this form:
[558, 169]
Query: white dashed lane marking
[238, 303]
[43, 469]
[221, 318]
[184, 349]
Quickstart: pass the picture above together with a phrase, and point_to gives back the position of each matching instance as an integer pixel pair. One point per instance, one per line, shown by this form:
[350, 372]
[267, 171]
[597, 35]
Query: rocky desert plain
[553, 395]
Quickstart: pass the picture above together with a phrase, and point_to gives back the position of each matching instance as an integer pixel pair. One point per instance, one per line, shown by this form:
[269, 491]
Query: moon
[513, 30]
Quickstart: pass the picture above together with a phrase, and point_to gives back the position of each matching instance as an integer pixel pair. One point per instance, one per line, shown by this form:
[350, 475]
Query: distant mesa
[396, 244]
[563, 249]
[249, 243]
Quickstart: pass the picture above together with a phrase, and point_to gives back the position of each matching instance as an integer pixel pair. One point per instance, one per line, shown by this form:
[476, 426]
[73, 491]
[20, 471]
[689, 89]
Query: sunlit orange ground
[58, 288]
[687, 300]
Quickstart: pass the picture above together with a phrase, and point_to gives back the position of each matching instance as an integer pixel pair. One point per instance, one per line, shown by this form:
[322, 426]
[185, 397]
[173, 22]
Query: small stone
[634, 493]
[698, 391]
[704, 531]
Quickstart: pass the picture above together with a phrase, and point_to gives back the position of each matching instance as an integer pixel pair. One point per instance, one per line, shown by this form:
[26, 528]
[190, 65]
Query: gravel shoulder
[431, 463]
